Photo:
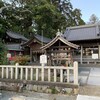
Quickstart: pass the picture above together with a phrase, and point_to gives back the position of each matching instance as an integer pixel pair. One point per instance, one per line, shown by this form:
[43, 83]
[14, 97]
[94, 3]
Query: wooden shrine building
[88, 38]
[35, 44]
[13, 43]
[59, 51]
[82, 43]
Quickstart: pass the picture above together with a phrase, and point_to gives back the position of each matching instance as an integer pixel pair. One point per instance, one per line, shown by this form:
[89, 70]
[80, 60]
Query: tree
[3, 53]
[93, 19]
[37, 16]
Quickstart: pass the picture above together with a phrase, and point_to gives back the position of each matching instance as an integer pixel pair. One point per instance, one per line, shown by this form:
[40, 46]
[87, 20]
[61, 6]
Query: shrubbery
[22, 60]
[3, 54]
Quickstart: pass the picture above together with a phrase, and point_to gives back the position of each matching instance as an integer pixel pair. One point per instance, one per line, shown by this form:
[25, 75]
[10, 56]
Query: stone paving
[85, 97]
[36, 96]
[94, 77]
[89, 76]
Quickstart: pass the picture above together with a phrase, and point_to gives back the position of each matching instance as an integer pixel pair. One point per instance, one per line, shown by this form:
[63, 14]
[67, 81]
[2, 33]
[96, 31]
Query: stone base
[20, 87]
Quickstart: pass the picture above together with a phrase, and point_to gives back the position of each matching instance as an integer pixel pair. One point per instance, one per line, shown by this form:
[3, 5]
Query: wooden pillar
[81, 58]
[30, 54]
[99, 51]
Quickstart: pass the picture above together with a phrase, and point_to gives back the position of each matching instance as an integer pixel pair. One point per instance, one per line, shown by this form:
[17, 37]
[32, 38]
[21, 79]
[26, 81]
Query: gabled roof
[62, 40]
[84, 32]
[16, 35]
[39, 38]
[42, 38]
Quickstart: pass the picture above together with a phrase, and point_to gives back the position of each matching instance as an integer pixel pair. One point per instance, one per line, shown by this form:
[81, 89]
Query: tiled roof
[16, 35]
[61, 39]
[85, 32]
[15, 47]
[42, 38]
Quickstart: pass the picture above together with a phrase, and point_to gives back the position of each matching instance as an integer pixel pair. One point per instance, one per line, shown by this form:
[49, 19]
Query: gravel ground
[91, 90]
[36, 96]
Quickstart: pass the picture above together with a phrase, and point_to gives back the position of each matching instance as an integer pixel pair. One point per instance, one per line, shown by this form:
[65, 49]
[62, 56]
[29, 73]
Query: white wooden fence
[39, 73]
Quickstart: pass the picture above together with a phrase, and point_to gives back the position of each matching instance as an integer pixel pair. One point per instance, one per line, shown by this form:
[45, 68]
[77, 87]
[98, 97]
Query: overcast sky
[87, 7]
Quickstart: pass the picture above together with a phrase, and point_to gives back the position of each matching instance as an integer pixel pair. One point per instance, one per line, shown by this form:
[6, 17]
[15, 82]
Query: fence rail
[41, 73]
[88, 60]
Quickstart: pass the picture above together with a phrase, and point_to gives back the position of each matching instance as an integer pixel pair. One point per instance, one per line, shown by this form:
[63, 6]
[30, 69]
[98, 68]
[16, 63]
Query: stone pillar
[99, 51]
[2, 72]
[11, 72]
[37, 73]
[61, 75]
[49, 74]
[81, 58]
[42, 74]
[16, 73]
[21, 74]
[31, 73]
[55, 75]
[26, 74]
[7, 72]
[75, 72]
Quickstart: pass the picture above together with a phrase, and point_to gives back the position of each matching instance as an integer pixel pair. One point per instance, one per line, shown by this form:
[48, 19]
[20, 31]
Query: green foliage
[37, 16]
[54, 91]
[93, 19]
[3, 53]
[22, 60]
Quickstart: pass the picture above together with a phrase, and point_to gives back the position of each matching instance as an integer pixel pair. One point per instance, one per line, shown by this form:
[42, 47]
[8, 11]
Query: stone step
[85, 97]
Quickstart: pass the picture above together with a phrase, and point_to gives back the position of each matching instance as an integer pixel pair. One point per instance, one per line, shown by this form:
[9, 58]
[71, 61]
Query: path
[89, 88]
[85, 97]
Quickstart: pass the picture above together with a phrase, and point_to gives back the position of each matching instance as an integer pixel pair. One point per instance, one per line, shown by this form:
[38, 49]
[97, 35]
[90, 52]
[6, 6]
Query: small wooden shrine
[35, 44]
[59, 51]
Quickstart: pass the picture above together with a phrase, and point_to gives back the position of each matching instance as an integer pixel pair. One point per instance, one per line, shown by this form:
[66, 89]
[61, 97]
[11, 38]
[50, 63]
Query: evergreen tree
[37, 16]
[3, 54]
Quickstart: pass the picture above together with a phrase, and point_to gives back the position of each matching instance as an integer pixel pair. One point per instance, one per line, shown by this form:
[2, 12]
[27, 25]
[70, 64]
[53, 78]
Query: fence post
[31, 74]
[42, 72]
[26, 72]
[75, 72]
[21, 74]
[61, 75]
[49, 74]
[55, 75]
[16, 71]
[11, 72]
[2, 72]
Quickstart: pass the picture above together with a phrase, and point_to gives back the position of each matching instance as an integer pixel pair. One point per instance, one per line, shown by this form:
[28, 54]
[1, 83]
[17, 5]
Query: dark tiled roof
[85, 32]
[42, 39]
[15, 47]
[16, 35]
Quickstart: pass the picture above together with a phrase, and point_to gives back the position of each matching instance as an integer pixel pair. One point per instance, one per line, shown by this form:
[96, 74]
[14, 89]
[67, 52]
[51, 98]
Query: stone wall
[22, 87]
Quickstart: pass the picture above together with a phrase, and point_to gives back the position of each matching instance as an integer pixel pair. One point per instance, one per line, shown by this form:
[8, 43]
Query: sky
[87, 7]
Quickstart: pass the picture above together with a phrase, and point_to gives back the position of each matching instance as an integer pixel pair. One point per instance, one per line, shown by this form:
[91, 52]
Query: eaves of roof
[61, 39]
